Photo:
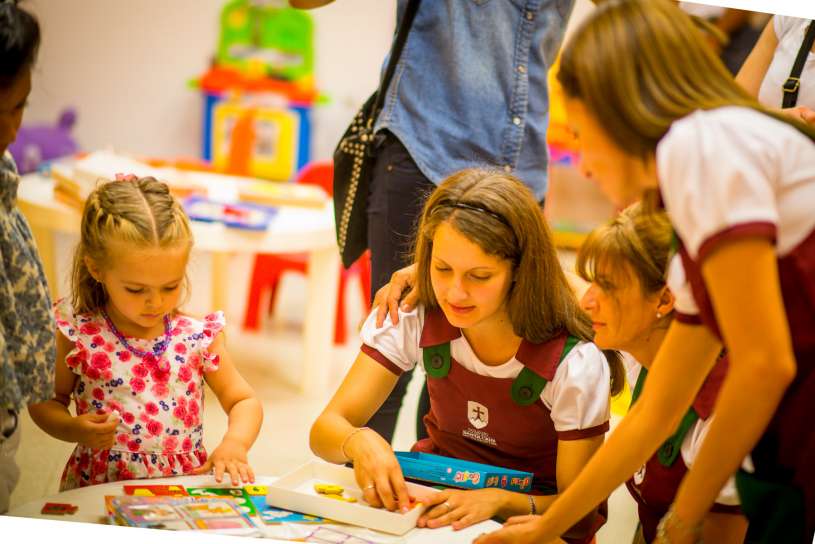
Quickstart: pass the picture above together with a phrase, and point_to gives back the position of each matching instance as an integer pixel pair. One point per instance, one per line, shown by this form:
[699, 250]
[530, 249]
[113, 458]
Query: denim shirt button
[516, 121]
[507, 168]
[529, 15]
[522, 69]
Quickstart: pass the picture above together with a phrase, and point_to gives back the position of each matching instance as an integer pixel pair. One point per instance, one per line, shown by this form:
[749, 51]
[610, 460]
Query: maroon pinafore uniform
[477, 418]
[779, 497]
[662, 474]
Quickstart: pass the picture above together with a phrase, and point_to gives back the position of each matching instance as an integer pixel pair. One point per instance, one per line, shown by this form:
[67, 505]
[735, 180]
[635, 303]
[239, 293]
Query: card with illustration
[237, 493]
[221, 514]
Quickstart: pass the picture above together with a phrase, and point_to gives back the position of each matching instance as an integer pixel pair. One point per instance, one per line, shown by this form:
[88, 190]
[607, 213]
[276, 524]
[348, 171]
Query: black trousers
[397, 194]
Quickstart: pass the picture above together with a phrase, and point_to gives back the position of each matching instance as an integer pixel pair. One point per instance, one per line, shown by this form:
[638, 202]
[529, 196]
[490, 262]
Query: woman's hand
[517, 530]
[95, 431]
[461, 509]
[230, 457]
[802, 113]
[377, 472]
[387, 298]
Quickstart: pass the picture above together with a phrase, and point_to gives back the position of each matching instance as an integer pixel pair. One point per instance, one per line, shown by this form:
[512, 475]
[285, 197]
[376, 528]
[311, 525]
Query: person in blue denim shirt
[469, 90]
[27, 349]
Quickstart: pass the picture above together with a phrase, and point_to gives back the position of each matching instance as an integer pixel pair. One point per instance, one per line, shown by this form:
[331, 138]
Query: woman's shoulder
[751, 139]
[790, 27]
[584, 364]
[725, 117]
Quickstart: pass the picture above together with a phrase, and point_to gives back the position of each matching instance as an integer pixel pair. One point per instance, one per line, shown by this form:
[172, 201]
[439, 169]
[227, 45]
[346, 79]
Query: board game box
[446, 471]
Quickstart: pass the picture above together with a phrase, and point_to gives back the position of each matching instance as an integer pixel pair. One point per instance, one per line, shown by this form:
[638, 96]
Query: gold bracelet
[348, 437]
[670, 518]
[532, 508]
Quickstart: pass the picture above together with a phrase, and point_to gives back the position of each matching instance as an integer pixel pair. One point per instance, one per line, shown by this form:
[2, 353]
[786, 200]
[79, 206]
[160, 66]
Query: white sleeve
[729, 495]
[394, 346]
[578, 395]
[782, 24]
[717, 173]
[684, 304]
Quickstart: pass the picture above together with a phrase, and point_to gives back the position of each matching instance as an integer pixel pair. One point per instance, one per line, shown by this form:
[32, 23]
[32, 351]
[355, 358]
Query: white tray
[295, 491]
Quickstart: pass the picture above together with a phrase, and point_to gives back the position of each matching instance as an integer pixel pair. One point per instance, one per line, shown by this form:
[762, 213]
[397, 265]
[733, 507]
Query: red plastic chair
[269, 268]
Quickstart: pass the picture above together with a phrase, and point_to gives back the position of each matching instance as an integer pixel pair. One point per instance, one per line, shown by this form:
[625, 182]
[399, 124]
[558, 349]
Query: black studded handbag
[354, 157]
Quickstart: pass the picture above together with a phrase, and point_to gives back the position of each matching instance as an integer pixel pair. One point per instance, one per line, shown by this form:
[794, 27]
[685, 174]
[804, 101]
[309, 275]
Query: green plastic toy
[262, 38]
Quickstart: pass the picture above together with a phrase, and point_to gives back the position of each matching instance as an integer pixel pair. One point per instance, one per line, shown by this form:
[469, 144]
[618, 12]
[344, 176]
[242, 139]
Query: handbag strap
[793, 83]
[396, 52]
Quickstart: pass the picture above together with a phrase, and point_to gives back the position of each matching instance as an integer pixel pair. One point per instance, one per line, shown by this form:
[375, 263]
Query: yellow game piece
[328, 489]
[256, 489]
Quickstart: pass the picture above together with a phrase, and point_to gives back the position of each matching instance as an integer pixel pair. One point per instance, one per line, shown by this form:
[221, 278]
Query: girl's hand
[461, 509]
[517, 530]
[387, 298]
[229, 456]
[377, 472]
[95, 431]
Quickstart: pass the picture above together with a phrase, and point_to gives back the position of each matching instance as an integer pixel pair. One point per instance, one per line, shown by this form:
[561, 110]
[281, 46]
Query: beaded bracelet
[348, 437]
[670, 518]
[532, 509]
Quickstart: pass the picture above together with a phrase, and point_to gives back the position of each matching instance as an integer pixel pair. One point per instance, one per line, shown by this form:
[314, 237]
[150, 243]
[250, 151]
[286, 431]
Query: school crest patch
[477, 414]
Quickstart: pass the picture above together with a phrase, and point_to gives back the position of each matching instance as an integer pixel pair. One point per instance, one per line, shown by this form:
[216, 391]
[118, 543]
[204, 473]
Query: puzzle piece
[155, 490]
[58, 509]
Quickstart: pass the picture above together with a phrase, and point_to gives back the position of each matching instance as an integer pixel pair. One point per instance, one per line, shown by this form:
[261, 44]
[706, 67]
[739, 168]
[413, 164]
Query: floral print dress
[160, 399]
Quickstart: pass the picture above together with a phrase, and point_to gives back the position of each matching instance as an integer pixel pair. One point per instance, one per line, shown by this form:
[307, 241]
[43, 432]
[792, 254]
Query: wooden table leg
[219, 299]
[318, 334]
[44, 238]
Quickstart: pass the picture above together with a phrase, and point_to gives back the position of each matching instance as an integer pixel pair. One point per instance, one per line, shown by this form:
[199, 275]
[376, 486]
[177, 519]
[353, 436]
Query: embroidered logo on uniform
[478, 414]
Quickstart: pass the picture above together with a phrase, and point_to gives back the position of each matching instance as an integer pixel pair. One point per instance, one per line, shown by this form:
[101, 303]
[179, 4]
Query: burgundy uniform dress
[475, 418]
[725, 175]
[655, 485]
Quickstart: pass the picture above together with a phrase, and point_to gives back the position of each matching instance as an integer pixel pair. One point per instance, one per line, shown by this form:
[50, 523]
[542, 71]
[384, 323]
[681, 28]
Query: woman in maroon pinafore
[657, 115]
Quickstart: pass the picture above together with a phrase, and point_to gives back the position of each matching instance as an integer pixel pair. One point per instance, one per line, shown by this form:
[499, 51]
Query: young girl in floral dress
[133, 363]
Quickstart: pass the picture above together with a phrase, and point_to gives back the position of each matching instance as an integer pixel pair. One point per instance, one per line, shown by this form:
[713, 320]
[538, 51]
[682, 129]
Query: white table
[91, 503]
[292, 230]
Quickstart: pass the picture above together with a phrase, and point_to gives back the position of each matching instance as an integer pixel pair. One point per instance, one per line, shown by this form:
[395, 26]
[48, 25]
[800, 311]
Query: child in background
[26, 325]
[133, 363]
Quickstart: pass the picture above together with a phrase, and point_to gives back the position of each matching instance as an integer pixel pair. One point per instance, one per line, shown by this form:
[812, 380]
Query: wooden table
[292, 230]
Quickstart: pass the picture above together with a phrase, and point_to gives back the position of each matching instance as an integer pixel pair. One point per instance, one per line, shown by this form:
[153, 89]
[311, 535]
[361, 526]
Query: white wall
[125, 64]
